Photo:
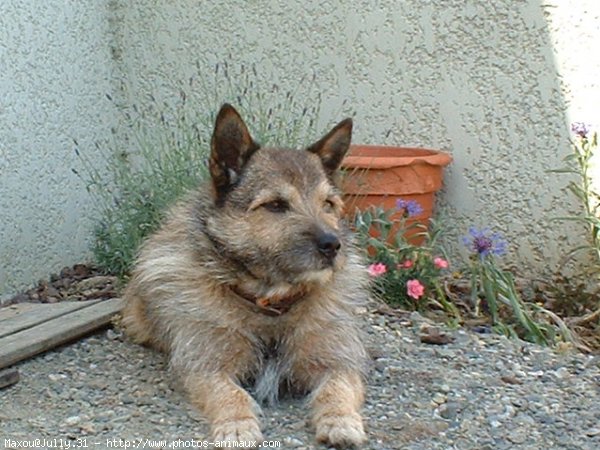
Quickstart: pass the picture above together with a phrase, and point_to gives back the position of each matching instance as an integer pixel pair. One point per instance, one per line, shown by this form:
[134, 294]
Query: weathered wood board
[8, 377]
[21, 316]
[36, 329]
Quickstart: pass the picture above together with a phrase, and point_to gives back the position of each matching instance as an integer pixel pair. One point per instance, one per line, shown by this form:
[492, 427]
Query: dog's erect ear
[333, 146]
[231, 147]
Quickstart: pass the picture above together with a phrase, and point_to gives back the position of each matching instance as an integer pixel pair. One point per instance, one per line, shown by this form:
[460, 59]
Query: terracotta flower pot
[380, 175]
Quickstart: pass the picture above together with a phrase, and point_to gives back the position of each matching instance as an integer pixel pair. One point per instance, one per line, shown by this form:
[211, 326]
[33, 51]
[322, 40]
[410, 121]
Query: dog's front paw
[341, 431]
[245, 432]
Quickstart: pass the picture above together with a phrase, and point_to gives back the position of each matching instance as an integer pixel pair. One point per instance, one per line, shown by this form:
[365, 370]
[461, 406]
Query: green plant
[403, 274]
[579, 294]
[161, 151]
[493, 290]
[578, 163]
[163, 160]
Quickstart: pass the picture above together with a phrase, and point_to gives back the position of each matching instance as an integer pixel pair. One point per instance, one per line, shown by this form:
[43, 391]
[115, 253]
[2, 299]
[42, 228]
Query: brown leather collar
[271, 306]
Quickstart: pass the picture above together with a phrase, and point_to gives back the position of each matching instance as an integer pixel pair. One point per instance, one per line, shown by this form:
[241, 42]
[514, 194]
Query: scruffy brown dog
[252, 280]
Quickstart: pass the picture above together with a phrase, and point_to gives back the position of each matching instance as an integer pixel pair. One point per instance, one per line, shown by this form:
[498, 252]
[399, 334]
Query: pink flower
[415, 289]
[377, 269]
[406, 264]
[440, 263]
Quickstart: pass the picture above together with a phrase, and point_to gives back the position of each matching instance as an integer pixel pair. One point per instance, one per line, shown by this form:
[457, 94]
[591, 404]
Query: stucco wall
[478, 79]
[475, 78]
[55, 67]
[574, 30]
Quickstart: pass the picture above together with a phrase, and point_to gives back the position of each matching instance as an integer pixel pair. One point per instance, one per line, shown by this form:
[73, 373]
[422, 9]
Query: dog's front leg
[336, 402]
[210, 363]
[232, 412]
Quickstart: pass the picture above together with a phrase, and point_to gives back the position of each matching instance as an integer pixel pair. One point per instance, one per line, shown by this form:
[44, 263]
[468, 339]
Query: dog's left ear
[231, 148]
[332, 147]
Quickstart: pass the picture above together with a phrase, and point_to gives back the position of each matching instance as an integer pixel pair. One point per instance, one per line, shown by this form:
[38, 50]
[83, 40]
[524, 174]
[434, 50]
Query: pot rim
[386, 156]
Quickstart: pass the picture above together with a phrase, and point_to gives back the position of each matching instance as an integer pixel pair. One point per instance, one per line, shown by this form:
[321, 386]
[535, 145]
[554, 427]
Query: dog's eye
[276, 206]
[328, 206]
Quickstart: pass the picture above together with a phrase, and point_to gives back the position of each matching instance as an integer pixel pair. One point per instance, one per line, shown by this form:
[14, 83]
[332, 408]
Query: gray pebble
[449, 410]
[127, 399]
[293, 442]
[71, 421]
[439, 398]
[517, 436]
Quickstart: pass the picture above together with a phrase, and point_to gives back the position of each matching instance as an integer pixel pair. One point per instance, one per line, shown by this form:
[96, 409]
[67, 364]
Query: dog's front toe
[341, 431]
[245, 433]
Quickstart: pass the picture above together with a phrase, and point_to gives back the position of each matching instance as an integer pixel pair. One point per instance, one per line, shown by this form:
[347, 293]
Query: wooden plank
[8, 377]
[22, 316]
[42, 337]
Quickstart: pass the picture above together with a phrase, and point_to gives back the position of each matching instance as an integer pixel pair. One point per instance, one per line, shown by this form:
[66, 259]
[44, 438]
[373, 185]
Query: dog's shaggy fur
[253, 280]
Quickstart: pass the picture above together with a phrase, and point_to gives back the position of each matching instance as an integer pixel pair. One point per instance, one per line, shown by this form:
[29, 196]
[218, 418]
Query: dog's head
[277, 212]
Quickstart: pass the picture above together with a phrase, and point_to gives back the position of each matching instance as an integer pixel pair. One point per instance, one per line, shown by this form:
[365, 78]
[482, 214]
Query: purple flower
[410, 207]
[483, 242]
[581, 129]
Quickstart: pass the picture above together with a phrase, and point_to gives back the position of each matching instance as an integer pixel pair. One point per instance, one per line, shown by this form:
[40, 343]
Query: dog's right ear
[231, 147]
[332, 147]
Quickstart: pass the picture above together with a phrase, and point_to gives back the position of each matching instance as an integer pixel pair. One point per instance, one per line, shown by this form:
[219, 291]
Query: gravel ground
[478, 391]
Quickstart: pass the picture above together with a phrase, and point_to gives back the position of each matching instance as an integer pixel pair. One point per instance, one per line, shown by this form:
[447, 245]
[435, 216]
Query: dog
[253, 281]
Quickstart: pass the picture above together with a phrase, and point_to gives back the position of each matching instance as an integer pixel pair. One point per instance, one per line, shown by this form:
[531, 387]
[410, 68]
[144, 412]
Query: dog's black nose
[328, 244]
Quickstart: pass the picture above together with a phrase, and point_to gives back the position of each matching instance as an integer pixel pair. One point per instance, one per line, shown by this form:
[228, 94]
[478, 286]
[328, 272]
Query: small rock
[97, 282]
[72, 421]
[375, 353]
[445, 353]
[517, 436]
[524, 419]
[395, 370]
[433, 336]
[51, 291]
[98, 384]
[381, 365]
[295, 443]
[561, 373]
[144, 400]
[546, 419]
[510, 379]
[593, 432]
[439, 398]
[449, 410]
[299, 425]
[112, 335]
[87, 428]
[127, 399]
[509, 411]
[56, 377]
[519, 402]
[494, 422]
